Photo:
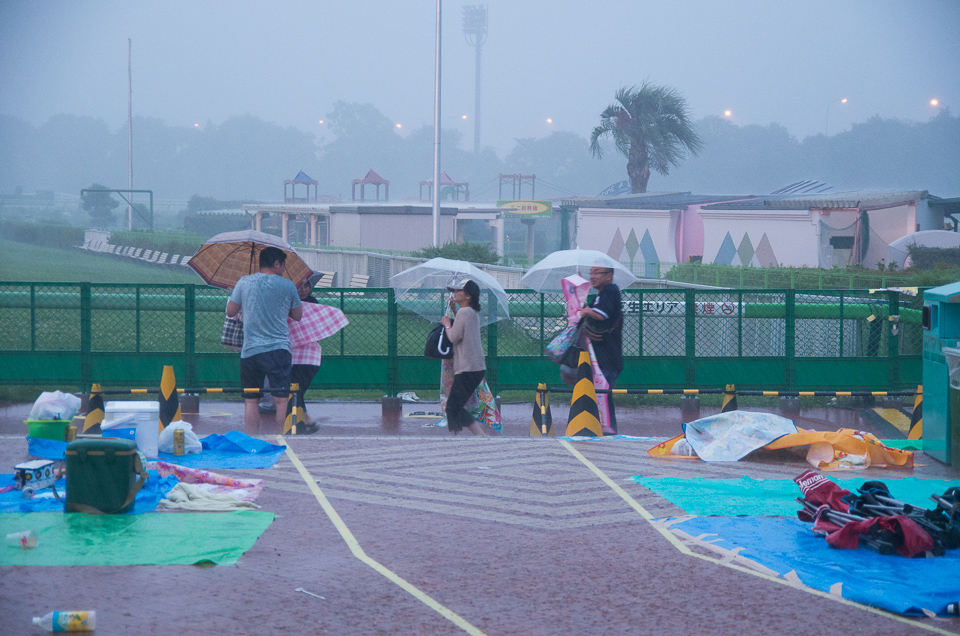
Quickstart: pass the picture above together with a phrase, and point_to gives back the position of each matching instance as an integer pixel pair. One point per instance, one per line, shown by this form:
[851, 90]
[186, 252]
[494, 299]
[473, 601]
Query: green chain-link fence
[121, 335]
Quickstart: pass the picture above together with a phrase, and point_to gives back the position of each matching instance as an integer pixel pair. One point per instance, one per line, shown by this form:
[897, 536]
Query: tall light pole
[436, 139]
[129, 130]
[842, 100]
[475, 30]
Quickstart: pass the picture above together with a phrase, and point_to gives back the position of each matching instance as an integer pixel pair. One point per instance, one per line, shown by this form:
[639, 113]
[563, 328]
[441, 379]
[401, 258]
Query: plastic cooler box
[147, 417]
[50, 429]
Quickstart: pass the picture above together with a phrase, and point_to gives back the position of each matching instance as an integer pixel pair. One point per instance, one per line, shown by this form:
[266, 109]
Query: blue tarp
[771, 497]
[147, 499]
[904, 586]
[46, 448]
[233, 450]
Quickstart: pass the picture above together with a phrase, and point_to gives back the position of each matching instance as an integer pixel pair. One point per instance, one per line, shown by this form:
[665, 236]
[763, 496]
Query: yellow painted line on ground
[895, 417]
[680, 546]
[358, 552]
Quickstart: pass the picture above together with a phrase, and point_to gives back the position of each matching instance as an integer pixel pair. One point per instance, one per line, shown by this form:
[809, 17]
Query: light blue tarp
[904, 586]
[771, 497]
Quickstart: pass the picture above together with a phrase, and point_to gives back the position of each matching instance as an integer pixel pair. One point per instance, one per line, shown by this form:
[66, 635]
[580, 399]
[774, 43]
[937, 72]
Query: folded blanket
[199, 497]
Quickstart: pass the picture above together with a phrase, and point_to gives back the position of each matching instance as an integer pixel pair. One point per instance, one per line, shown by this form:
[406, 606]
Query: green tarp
[771, 497]
[181, 538]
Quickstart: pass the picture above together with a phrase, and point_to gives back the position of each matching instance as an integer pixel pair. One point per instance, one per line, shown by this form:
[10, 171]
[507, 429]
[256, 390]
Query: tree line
[246, 158]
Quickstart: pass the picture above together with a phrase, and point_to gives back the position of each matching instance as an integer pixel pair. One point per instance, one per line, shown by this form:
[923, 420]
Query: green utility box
[941, 336]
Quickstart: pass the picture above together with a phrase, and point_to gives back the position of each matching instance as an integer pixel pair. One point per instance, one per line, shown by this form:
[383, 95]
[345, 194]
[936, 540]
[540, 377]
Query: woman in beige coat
[469, 364]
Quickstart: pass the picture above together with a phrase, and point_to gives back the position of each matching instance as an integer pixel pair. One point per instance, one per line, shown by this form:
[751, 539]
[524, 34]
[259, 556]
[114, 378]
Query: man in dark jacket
[606, 323]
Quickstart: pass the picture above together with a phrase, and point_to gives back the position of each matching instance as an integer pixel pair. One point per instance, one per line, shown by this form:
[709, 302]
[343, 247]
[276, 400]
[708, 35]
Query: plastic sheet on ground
[727, 437]
[787, 546]
[771, 497]
[184, 538]
[240, 489]
[235, 449]
[147, 498]
[844, 449]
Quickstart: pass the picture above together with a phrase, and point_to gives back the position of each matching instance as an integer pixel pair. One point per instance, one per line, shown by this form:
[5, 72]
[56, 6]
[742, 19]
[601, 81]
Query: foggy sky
[201, 61]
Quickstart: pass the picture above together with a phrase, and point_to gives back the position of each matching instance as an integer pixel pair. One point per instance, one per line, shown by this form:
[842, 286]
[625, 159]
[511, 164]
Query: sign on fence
[678, 308]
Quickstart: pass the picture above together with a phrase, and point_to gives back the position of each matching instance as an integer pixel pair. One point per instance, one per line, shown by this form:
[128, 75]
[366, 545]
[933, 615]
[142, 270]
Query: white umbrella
[547, 274]
[423, 289]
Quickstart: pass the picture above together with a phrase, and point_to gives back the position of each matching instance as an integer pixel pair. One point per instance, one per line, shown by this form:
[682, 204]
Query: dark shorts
[269, 364]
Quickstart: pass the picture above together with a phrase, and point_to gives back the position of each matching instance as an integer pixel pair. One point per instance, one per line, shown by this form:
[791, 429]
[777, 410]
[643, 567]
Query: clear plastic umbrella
[422, 289]
[547, 274]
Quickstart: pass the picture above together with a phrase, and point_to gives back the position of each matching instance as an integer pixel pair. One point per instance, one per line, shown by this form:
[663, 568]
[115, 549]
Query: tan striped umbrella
[223, 259]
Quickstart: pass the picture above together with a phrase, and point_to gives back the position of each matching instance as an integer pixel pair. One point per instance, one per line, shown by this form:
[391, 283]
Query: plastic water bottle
[67, 621]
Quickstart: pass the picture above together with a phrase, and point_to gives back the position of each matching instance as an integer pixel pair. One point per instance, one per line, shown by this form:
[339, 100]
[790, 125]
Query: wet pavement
[405, 529]
[338, 418]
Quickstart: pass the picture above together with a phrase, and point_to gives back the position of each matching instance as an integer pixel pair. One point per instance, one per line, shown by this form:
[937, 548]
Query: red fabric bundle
[915, 539]
[819, 490]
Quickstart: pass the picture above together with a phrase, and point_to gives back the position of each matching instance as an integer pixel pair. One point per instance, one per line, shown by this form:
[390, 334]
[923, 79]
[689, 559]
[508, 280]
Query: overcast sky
[287, 62]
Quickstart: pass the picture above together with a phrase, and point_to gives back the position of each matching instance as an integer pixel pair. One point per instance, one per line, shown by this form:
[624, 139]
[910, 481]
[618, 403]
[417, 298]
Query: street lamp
[827, 128]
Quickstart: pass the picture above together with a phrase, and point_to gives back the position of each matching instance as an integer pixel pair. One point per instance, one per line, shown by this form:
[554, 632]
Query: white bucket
[147, 416]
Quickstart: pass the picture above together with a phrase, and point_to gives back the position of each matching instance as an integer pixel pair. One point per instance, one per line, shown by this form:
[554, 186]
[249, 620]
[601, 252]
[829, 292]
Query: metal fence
[72, 335]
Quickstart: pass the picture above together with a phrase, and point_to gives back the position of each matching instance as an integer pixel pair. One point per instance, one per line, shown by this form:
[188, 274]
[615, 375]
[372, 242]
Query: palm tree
[651, 127]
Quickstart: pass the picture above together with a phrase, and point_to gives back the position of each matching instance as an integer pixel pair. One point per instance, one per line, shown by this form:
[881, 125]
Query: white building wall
[345, 230]
[597, 230]
[793, 234]
[404, 232]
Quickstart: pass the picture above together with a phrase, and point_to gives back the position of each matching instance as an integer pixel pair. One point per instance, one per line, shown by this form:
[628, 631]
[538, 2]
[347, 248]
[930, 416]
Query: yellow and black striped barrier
[742, 392]
[916, 420]
[584, 417]
[541, 421]
[168, 397]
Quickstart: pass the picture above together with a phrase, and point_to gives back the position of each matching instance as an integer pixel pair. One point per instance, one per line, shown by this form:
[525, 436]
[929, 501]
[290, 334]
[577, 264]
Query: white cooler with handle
[147, 416]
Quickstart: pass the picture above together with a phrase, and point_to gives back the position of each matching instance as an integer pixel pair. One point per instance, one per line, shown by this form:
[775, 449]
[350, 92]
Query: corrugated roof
[651, 200]
[852, 199]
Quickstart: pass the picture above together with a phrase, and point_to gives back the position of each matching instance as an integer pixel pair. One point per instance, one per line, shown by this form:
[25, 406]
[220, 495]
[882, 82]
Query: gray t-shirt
[266, 300]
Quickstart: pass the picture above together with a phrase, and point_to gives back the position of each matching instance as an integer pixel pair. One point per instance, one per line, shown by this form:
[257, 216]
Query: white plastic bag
[191, 443]
[55, 405]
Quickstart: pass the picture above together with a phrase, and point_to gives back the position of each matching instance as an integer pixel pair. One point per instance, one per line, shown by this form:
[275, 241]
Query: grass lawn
[25, 263]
